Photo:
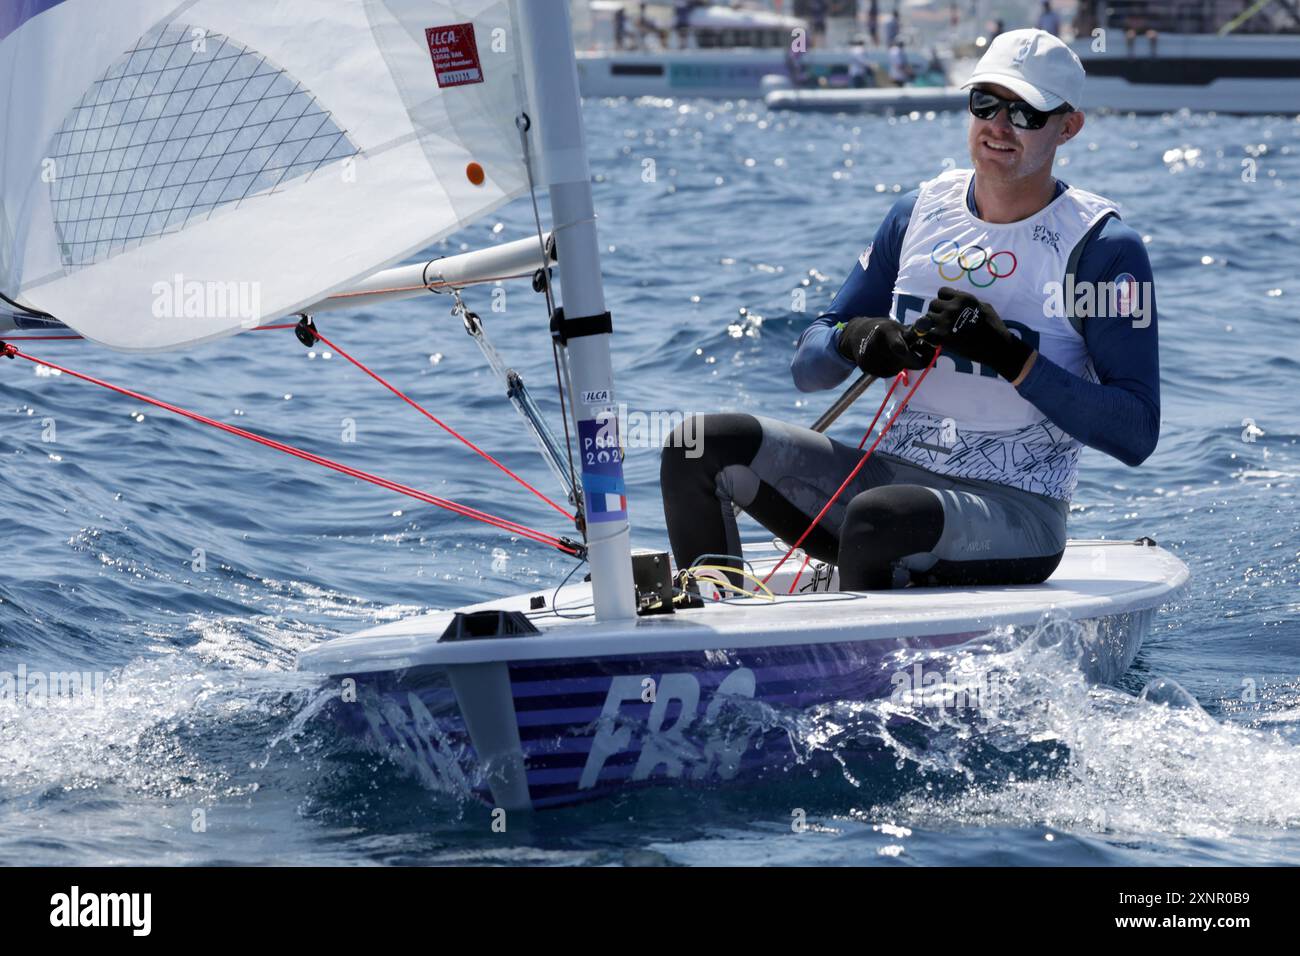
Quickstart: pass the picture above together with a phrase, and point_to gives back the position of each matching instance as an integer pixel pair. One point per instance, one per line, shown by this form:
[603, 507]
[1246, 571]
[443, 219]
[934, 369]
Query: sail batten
[215, 164]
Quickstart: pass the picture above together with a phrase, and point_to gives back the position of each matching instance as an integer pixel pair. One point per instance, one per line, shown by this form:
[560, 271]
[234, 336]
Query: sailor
[900, 71]
[817, 11]
[1042, 301]
[1049, 19]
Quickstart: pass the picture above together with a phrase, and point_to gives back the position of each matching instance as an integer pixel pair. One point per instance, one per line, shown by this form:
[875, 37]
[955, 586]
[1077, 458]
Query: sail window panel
[169, 153]
[227, 166]
[175, 103]
[192, 147]
[205, 125]
[256, 160]
[244, 139]
[106, 91]
[130, 205]
[135, 230]
[180, 51]
[136, 63]
[179, 173]
[314, 152]
[167, 200]
[177, 218]
[255, 89]
[210, 194]
[191, 77]
[157, 178]
[70, 145]
[154, 106]
[276, 132]
[237, 187]
[242, 72]
[122, 137]
[140, 179]
[146, 85]
[121, 183]
[218, 144]
[98, 115]
[223, 96]
[113, 206]
[162, 133]
[155, 223]
[236, 117]
[98, 161]
[308, 125]
[164, 81]
[113, 160]
[98, 208]
[182, 127]
[81, 118]
[170, 133]
[199, 100]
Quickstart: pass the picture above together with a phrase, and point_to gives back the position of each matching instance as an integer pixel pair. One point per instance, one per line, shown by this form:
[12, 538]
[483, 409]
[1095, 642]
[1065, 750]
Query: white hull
[1248, 75]
[717, 74]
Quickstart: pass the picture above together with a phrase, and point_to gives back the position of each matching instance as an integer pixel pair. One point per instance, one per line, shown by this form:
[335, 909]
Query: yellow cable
[764, 591]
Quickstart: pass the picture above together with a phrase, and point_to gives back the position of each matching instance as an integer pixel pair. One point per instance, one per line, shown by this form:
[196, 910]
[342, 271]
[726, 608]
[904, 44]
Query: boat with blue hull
[570, 709]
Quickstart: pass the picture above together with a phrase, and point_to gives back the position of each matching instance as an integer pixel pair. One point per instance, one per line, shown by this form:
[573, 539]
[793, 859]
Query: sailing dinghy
[194, 170]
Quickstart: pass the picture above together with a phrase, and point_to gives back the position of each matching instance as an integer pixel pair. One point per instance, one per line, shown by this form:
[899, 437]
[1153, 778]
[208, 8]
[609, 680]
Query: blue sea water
[714, 219]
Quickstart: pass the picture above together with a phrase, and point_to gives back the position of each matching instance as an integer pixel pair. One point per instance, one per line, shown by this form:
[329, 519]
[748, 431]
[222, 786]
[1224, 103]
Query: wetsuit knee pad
[880, 527]
[717, 442]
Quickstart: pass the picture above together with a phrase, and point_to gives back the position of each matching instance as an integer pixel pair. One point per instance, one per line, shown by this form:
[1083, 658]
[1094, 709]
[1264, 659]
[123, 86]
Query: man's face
[1005, 152]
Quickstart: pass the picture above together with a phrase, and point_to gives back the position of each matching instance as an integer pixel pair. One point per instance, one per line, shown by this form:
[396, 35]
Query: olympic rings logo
[972, 259]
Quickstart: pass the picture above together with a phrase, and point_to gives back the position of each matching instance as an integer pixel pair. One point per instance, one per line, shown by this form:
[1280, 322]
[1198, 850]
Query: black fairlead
[306, 331]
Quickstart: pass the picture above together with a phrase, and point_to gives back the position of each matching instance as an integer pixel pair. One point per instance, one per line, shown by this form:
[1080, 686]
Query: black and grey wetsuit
[896, 522]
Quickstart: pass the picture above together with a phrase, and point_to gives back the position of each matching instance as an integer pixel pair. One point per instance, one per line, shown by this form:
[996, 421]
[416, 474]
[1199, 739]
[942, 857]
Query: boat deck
[1096, 579]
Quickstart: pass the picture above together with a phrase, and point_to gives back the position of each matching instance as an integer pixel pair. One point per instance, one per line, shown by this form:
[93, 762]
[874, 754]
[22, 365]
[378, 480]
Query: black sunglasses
[985, 105]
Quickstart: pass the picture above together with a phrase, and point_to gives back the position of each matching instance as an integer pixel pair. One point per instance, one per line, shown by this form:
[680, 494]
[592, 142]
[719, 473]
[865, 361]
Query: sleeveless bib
[966, 420]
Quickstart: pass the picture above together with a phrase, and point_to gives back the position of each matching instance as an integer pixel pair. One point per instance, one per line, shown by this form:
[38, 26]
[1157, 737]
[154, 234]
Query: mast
[583, 325]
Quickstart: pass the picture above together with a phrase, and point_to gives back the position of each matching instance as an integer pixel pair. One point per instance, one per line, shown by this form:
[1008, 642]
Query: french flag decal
[606, 500]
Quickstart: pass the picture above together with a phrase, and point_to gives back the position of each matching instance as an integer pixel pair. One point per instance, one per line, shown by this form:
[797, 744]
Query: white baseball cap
[1034, 65]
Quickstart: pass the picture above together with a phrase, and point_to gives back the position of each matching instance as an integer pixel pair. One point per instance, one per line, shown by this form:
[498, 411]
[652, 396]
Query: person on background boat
[900, 71]
[1049, 20]
[682, 11]
[647, 27]
[795, 67]
[893, 27]
[972, 483]
[620, 29]
[859, 64]
[817, 10]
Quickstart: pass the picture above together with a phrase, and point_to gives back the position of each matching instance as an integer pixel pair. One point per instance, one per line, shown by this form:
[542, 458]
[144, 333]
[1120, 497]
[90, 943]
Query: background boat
[1209, 56]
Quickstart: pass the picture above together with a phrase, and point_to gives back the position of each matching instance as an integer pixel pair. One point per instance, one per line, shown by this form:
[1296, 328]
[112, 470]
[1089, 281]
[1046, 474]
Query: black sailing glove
[973, 329]
[882, 347]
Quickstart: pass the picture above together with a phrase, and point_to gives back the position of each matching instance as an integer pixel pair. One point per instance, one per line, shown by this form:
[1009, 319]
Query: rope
[863, 460]
[437, 421]
[10, 351]
[523, 122]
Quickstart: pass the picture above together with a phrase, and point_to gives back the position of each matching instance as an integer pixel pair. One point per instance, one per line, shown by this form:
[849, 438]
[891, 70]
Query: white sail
[172, 172]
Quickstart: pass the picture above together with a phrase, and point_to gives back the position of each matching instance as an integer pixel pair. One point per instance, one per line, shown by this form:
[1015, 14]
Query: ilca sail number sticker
[455, 55]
